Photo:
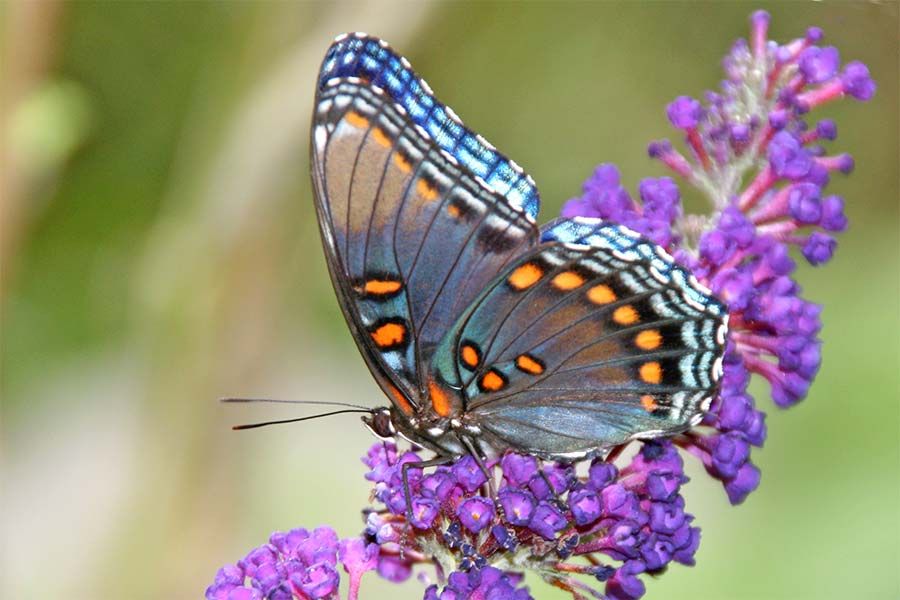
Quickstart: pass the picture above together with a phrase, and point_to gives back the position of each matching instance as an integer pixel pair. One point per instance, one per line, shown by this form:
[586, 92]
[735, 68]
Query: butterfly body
[485, 332]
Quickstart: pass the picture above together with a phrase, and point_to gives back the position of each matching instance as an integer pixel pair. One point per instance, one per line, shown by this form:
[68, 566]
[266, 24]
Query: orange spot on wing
[567, 280]
[469, 356]
[651, 372]
[381, 287]
[380, 137]
[400, 400]
[426, 189]
[529, 364]
[356, 119]
[525, 276]
[439, 400]
[649, 403]
[601, 294]
[453, 211]
[492, 381]
[649, 339]
[626, 315]
[402, 162]
[389, 335]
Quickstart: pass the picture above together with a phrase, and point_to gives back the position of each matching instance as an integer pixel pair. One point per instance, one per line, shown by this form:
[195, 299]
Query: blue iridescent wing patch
[371, 59]
[629, 246]
[411, 237]
[592, 338]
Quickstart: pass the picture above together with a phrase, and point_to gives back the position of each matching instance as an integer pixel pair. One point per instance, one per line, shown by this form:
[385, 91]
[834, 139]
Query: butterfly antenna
[309, 402]
[328, 414]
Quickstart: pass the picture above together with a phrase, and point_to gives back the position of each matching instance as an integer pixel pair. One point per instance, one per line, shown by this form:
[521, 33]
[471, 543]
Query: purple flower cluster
[754, 129]
[621, 522]
[298, 564]
[752, 150]
[655, 217]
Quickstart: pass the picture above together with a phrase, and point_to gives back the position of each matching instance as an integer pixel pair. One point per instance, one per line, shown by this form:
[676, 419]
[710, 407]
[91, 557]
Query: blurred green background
[160, 250]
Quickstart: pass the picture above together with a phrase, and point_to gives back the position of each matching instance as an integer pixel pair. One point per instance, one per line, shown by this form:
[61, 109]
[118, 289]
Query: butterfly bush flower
[756, 128]
[754, 151]
[296, 564]
[609, 524]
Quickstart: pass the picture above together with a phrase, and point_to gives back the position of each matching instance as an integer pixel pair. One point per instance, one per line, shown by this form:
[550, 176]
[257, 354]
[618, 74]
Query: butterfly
[486, 332]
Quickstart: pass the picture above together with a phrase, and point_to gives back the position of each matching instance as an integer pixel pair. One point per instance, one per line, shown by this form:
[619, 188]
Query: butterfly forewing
[411, 236]
[371, 60]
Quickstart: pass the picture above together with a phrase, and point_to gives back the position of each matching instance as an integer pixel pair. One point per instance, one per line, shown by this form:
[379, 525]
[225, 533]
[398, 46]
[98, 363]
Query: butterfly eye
[380, 423]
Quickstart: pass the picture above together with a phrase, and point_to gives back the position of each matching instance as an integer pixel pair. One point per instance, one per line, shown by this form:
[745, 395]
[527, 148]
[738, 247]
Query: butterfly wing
[412, 235]
[590, 339]
[371, 59]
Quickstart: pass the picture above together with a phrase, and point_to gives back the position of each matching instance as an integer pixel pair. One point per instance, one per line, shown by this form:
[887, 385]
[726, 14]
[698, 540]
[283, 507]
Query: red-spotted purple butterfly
[486, 333]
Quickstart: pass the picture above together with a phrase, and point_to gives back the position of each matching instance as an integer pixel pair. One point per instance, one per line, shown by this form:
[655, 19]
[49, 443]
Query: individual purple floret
[599, 530]
[685, 113]
[296, 564]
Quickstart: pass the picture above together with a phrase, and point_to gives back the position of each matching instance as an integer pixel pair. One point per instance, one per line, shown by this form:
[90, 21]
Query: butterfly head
[438, 434]
[390, 422]
[381, 423]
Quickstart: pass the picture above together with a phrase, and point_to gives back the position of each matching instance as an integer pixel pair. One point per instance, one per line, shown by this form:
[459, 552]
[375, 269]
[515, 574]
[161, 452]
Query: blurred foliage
[161, 250]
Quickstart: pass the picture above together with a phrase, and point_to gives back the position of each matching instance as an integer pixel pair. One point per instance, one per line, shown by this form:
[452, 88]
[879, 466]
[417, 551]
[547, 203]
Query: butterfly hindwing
[585, 343]
[411, 236]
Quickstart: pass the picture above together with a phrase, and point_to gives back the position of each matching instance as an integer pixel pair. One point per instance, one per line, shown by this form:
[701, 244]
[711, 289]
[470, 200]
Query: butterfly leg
[487, 473]
[404, 471]
[480, 462]
[557, 500]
